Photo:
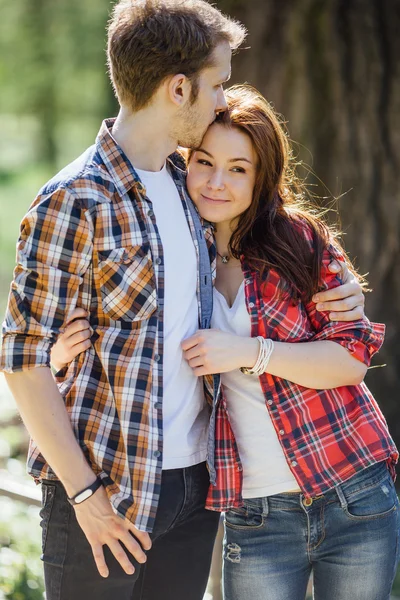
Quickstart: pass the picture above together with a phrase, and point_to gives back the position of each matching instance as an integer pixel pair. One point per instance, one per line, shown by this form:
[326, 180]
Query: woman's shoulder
[314, 231]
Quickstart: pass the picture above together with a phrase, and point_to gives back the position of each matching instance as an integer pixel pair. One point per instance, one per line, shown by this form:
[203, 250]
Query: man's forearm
[46, 419]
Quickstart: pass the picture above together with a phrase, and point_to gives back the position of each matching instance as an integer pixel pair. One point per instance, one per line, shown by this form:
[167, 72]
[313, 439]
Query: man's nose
[221, 102]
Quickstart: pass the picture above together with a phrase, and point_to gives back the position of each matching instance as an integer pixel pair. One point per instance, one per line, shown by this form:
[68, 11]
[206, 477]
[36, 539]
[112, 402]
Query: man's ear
[179, 88]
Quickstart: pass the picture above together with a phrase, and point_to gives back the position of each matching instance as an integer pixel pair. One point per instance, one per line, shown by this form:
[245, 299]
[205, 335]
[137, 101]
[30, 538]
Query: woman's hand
[212, 351]
[74, 340]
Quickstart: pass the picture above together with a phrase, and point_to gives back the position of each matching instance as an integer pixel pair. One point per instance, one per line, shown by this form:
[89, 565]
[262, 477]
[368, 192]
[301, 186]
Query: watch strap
[85, 493]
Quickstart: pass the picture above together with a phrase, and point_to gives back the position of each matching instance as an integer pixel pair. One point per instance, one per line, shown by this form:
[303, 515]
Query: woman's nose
[216, 181]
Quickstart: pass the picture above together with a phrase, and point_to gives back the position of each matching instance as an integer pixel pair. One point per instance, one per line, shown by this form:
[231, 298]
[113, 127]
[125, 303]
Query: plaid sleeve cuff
[361, 338]
[23, 352]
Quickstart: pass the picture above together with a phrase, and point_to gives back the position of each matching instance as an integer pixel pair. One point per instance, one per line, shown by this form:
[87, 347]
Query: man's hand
[74, 340]
[345, 302]
[102, 526]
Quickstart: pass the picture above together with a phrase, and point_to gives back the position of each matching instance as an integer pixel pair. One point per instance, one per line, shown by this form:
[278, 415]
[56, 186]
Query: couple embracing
[209, 343]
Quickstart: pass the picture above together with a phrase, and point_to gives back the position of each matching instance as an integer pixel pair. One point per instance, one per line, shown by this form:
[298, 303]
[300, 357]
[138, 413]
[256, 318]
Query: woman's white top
[265, 470]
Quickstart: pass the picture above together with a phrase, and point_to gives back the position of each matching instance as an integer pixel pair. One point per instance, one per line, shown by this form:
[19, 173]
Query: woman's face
[222, 174]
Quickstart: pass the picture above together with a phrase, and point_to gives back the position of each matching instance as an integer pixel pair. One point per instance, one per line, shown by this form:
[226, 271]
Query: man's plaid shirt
[90, 240]
[326, 435]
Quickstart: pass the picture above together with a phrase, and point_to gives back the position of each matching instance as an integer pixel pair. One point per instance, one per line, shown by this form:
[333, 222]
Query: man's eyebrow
[230, 160]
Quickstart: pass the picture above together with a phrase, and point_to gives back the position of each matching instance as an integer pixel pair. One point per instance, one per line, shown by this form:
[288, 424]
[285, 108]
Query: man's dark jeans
[178, 563]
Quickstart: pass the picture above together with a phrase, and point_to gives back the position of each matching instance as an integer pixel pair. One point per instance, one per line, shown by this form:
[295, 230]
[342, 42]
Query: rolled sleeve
[361, 338]
[53, 253]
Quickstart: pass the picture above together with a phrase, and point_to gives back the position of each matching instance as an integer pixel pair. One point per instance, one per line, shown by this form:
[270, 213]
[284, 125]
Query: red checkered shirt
[326, 435]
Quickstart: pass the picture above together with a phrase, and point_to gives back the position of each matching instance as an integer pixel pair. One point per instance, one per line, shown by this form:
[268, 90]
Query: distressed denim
[348, 537]
[177, 565]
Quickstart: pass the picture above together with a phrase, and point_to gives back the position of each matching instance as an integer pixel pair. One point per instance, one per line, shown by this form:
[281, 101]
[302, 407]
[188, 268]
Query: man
[124, 437]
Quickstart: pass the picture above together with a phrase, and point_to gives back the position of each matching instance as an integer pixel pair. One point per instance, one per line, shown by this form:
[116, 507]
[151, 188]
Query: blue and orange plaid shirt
[90, 239]
[326, 435]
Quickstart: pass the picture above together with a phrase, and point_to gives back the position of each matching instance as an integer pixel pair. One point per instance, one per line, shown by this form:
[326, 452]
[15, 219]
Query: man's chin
[194, 140]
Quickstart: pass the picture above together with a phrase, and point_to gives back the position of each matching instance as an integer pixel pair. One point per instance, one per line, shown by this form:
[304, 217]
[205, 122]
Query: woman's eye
[203, 161]
[238, 170]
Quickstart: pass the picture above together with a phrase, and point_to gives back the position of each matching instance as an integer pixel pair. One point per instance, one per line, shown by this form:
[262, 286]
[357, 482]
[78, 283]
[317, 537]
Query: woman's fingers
[80, 347]
[192, 353]
[77, 313]
[197, 361]
[81, 325]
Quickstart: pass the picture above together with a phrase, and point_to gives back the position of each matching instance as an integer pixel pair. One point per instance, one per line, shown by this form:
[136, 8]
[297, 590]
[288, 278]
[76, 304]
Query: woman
[304, 460]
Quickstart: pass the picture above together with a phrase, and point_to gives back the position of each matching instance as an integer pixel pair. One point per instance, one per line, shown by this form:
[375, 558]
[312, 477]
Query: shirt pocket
[127, 283]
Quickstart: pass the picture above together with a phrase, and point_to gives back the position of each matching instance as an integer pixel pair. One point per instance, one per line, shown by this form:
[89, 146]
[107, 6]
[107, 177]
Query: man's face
[197, 117]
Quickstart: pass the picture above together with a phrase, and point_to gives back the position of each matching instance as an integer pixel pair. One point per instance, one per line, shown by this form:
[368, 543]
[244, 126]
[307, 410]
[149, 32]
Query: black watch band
[86, 493]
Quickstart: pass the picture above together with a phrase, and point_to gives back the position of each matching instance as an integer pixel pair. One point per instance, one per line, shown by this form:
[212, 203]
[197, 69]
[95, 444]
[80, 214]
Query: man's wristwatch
[85, 494]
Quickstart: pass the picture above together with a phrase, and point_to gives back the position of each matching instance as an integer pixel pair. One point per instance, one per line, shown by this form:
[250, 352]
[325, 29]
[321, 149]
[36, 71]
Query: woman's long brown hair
[268, 232]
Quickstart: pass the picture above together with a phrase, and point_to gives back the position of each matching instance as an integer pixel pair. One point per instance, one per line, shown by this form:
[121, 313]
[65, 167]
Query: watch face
[83, 496]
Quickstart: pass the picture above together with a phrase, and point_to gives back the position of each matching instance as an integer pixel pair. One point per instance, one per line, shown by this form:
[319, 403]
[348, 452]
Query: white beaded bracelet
[264, 355]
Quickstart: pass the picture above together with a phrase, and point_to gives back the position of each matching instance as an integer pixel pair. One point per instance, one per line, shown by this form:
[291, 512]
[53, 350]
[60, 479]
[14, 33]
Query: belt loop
[341, 496]
[265, 505]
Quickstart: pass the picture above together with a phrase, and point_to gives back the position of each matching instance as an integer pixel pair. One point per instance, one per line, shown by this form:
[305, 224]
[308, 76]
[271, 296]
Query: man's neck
[144, 138]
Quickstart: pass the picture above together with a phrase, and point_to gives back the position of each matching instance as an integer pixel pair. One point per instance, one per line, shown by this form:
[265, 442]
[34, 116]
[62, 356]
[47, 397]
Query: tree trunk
[330, 66]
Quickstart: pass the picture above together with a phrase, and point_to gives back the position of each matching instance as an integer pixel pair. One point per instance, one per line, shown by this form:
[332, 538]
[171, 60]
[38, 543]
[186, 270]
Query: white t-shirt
[265, 470]
[185, 414]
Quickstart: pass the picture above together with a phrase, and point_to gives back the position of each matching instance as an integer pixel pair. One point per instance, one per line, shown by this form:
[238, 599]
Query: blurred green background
[330, 66]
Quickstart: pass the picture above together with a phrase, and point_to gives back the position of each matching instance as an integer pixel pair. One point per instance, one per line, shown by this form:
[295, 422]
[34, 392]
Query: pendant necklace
[224, 257]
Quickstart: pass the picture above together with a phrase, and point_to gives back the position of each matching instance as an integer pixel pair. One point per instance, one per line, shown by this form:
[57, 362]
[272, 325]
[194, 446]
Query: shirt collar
[115, 160]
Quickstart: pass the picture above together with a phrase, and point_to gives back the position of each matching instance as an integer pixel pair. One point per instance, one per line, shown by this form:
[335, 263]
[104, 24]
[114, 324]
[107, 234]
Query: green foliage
[53, 66]
[20, 566]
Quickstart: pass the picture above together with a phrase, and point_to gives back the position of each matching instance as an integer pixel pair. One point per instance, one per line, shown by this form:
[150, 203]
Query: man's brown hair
[148, 40]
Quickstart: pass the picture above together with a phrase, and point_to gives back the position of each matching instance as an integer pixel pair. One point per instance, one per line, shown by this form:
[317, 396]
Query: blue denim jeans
[348, 537]
[177, 565]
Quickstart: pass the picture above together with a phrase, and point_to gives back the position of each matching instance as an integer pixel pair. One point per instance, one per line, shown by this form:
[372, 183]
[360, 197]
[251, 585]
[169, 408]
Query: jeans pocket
[375, 501]
[249, 516]
[48, 493]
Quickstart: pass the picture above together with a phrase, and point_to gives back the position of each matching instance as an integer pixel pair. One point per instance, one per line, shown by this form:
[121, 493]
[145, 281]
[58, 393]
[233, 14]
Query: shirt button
[150, 213]
[158, 261]
[156, 454]
[158, 405]
[281, 432]
[157, 357]
[270, 402]
[251, 304]
[294, 463]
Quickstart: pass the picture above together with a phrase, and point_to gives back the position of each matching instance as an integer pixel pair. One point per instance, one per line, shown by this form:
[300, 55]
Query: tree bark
[331, 67]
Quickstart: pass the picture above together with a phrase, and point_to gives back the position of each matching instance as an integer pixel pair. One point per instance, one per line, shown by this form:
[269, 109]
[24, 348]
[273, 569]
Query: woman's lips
[213, 200]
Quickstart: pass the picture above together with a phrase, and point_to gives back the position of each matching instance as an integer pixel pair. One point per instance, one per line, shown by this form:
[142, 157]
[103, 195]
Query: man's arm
[53, 254]
[43, 412]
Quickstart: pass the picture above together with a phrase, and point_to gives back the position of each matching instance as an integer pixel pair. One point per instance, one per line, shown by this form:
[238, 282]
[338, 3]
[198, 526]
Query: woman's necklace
[224, 257]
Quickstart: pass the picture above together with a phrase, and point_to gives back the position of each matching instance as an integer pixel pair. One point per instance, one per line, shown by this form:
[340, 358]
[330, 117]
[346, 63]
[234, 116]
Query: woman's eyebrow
[240, 158]
[205, 152]
[230, 160]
